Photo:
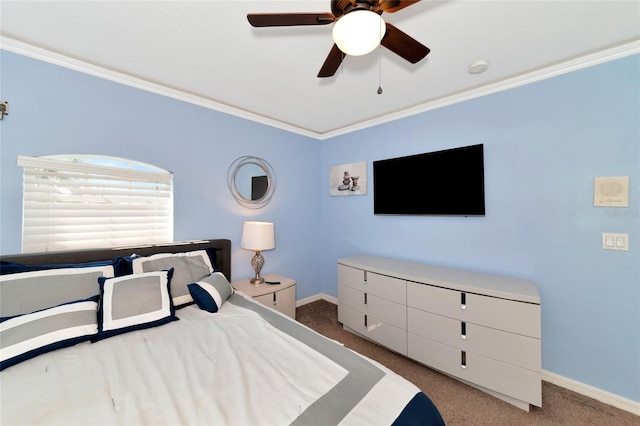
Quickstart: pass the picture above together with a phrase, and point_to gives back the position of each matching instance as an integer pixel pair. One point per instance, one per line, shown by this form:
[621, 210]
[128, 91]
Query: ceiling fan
[343, 13]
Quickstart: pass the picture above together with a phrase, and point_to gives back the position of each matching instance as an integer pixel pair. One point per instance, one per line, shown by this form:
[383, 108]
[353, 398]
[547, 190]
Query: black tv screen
[449, 182]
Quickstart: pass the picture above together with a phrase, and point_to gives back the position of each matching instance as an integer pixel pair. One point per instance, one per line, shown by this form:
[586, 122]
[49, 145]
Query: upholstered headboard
[222, 247]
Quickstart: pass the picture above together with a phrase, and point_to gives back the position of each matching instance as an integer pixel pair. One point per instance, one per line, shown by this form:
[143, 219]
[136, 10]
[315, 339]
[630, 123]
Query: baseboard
[609, 398]
[330, 299]
[315, 297]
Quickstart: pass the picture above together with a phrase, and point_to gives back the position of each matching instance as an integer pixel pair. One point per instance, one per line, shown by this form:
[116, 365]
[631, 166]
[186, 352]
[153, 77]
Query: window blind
[77, 204]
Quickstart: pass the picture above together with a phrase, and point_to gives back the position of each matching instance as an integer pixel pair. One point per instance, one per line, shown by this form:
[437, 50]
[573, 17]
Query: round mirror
[251, 181]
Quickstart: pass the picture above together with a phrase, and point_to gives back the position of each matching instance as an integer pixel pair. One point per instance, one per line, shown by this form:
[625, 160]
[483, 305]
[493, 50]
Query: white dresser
[482, 329]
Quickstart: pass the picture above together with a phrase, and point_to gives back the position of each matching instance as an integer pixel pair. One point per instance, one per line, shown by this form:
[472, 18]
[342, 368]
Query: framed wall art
[348, 179]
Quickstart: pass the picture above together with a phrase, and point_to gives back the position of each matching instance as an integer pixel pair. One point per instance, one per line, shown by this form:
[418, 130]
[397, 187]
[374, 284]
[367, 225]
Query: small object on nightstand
[272, 282]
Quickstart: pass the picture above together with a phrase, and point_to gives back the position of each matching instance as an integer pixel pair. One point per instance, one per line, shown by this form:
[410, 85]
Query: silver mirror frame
[233, 187]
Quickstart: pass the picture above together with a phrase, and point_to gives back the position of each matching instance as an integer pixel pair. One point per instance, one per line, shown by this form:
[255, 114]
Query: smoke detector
[478, 66]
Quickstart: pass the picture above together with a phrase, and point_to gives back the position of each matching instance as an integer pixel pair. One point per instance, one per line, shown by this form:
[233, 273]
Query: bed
[156, 335]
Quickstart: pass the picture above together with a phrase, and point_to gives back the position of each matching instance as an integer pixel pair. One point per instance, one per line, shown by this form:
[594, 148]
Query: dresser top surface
[457, 279]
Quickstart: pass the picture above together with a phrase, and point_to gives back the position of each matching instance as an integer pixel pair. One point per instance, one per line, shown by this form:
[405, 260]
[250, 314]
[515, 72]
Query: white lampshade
[258, 236]
[359, 32]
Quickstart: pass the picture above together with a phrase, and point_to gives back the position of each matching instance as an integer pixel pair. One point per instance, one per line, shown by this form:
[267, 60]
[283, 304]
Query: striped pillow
[211, 292]
[23, 337]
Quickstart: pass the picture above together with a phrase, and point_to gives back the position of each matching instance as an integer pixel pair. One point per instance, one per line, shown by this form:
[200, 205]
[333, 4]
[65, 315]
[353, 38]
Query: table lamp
[258, 236]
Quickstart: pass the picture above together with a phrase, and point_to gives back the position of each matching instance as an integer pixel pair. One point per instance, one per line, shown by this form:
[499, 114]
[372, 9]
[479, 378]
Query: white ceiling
[206, 52]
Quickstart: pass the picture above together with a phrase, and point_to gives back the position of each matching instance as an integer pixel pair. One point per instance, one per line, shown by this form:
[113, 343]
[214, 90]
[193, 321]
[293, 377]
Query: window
[76, 201]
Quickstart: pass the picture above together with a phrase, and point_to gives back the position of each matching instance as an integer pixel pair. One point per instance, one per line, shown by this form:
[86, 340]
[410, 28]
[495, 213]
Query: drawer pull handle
[463, 330]
[365, 298]
[463, 301]
[463, 360]
[365, 321]
[274, 300]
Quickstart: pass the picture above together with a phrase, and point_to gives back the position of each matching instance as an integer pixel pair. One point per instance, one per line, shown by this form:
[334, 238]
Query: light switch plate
[611, 191]
[615, 241]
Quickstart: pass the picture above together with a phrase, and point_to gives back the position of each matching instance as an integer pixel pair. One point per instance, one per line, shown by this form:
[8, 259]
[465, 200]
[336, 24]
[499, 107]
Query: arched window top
[86, 201]
[103, 160]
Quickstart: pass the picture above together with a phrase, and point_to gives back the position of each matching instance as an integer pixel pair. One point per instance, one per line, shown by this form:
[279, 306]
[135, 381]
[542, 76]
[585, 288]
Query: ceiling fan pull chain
[380, 65]
[379, 70]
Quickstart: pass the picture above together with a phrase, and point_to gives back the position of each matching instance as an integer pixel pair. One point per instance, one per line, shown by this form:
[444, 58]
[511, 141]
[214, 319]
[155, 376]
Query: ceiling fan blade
[391, 6]
[404, 45]
[332, 63]
[289, 19]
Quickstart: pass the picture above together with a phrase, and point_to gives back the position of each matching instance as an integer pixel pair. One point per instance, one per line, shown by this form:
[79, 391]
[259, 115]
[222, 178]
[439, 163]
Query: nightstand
[281, 297]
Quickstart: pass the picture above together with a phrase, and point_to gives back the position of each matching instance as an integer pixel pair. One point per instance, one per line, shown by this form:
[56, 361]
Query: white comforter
[232, 367]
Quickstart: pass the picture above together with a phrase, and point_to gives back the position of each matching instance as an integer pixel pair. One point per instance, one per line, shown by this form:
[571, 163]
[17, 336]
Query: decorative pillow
[134, 302]
[23, 337]
[211, 292]
[188, 268]
[26, 292]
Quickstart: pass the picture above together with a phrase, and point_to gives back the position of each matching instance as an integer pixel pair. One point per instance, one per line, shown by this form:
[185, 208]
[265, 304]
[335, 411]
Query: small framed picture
[348, 179]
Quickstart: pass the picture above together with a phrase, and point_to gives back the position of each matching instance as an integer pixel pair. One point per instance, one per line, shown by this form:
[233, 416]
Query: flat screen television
[449, 182]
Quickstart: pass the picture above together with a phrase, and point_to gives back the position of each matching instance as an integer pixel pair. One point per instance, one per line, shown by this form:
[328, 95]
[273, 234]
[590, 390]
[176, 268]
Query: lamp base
[257, 261]
[256, 281]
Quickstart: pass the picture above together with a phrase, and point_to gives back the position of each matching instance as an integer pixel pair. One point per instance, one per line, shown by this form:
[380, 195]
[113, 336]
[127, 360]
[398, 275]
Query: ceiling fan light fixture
[359, 32]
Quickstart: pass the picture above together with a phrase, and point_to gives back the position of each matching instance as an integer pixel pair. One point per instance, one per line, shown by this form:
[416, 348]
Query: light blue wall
[544, 144]
[54, 110]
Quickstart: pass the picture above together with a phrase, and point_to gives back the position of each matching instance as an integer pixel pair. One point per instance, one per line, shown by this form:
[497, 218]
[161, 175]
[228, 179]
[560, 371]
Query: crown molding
[25, 49]
[621, 51]
[585, 61]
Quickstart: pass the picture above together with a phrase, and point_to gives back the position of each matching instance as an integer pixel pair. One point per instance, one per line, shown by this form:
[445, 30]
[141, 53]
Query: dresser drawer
[374, 329]
[385, 310]
[508, 315]
[389, 288]
[497, 376]
[351, 277]
[511, 348]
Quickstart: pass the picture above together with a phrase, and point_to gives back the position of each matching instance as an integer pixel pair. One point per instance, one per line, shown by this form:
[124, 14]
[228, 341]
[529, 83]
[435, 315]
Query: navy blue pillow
[122, 265]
